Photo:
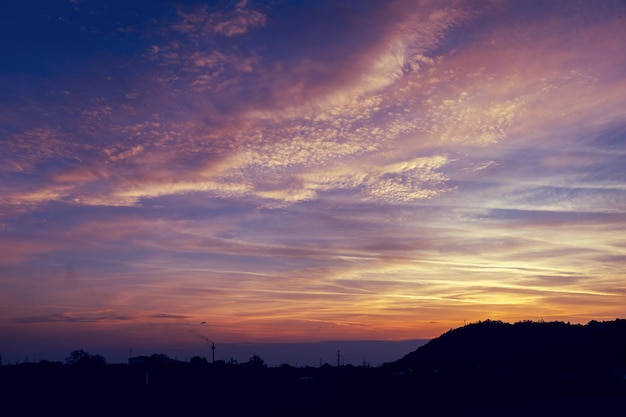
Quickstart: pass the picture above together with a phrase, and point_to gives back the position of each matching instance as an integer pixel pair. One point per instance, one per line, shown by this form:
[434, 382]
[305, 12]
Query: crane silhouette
[210, 341]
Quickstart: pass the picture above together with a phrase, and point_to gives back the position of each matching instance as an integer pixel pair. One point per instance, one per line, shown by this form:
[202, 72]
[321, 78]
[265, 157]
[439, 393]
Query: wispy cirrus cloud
[69, 318]
[313, 146]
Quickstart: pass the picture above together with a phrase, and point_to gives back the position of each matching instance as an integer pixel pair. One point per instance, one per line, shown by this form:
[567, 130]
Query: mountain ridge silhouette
[526, 345]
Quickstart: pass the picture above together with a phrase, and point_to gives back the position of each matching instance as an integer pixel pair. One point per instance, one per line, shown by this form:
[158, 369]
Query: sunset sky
[303, 171]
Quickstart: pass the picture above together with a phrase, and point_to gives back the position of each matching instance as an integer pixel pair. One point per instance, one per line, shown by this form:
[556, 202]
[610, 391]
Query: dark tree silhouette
[159, 356]
[256, 361]
[76, 356]
[198, 361]
[83, 358]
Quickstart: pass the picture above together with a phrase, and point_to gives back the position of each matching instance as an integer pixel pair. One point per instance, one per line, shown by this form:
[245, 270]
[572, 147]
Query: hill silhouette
[494, 368]
[527, 345]
[490, 368]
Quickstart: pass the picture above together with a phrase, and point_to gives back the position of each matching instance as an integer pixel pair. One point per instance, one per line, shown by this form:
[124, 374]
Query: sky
[178, 172]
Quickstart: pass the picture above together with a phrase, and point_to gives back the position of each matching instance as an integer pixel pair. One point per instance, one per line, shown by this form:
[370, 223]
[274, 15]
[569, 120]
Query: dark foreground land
[484, 369]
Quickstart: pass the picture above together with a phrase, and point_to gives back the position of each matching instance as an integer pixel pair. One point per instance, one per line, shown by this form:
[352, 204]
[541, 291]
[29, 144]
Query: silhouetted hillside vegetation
[524, 346]
[539, 368]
